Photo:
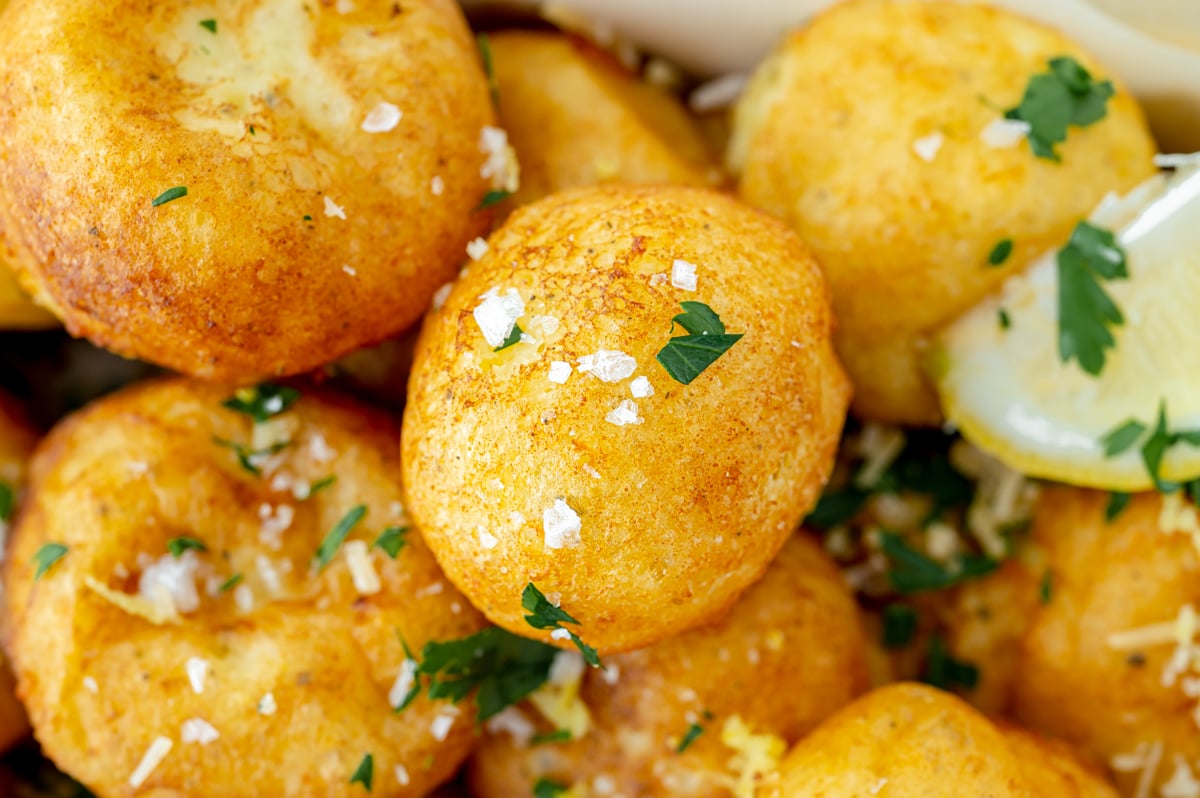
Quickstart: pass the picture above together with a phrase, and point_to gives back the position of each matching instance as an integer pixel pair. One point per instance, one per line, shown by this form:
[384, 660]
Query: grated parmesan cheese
[437, 185]
[497, 314]
[1182, 783]
[90, 685]
[624, 413]
[560, 634]
[501, 166]
[513, 722]
[561, 526]
[402, 775]
[1004, 133]
[155, 754]
[641, 387]
[197, 673]
[683, 275]
[486, 539]
[273, 522]
[173, 578]
[560, 371]
[443, 722]
[197, 730]
[879, 446]
[440, 295]
[406, 677]
[718, 93]
[266, 705]
[608, 365]
[332, 209]
[755, 755]
[362, 567]
[383, 118]
[477, 248]
[927, 147]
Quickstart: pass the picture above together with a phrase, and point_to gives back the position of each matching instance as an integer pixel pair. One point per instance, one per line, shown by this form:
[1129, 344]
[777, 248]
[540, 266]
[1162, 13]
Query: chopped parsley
[177, 546]
[485, 55]
[546, 788]
[899, 625]
[913, 572]
[1085, 310]
[1117, 502]
[499, 667]
[493, 197]
[689, 737]
[836, 508]
[391, 540]
[513, 337]
[1046, 587]
[946, 672]
[263, 401]
[7, 500]
[544, 615]
[685, 357]
[169, 195]
[1117, 440]
[209, 25]
[230, 583]
[1154, 448]
[308, 217]
[320, 485]
[1004, 319]
[556, 736]
[333, 541]
[364, 774]
[246, 456]
[1066, 95]
[924, 467]
[46, 557]
[1000, 252]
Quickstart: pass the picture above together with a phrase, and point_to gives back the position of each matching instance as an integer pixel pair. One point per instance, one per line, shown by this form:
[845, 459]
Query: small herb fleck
[556, 736]
[485, 54]
[1117, 502]
[230, 583]
[836, 508]
[333, 541]
[689, 737]
[209, 24]
[169, 195]
[1154, 448]
[913, 572]
[1000, 252]
[1055, 100]
[177, 546]
[307, 217]
[513, 337]
[685, 357]
[46, 557]
[546, 788]
[391, 540]
[1046, 588]
[899, 625]
[493, 197]
[944, 671]
[1085, 310]
[262, 401]
[364, 774]
[320, 485]
[544, 615]
[7, 500]
[246, 456]
[1119, 439]
[1004, 319]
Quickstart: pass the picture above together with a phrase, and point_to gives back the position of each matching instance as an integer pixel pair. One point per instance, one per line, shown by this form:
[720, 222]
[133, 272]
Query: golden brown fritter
[871, 132]
[647, 514]
[332, 163]
[788, 654]
[16, 445]
[264, 672]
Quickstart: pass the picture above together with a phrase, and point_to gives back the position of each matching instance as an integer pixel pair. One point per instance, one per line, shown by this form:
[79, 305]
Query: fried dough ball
[912, 741]
[17, 310]
[576, 117]
[573, 460]
[877, 133]
[332, 163]
[16, 445]
[188, 641]
[789, 653]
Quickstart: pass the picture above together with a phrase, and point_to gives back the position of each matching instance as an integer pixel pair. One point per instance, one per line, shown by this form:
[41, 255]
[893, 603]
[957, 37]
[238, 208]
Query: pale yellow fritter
[303, 236]
[682, 497]
[297, 662]
[865, 131]
[788, 654]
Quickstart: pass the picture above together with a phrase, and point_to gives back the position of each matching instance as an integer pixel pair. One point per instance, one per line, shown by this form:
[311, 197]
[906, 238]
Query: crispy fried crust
[679, 513]
[105, 106]
[16, 445]
[114, 484]
[825, 137]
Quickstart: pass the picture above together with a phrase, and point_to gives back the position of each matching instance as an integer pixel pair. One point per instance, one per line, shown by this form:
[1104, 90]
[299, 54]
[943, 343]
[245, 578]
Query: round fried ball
[912, 741]
[17, 310]
[573, 460]
[332, 163]
[877, 133]
[16, 445]
[788, 654]
[205, 613]
[576, 117]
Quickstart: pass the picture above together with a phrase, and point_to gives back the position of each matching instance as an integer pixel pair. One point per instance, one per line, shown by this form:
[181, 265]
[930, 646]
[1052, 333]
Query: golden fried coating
[576, 117]
[912, 741]
[789, 653]
[16, 445]
[332, 163]
[876, 132]
[573, 460]
[249, 668]
[17, 310]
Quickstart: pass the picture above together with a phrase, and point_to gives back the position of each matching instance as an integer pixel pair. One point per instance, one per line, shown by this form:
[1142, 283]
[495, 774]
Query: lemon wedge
[1003, 384]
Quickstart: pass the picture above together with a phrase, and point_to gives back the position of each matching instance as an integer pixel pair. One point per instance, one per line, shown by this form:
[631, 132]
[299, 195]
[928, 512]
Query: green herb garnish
[320, 485]
[230, 583]
[262, 401]
[546, 788]
[544, 615]
[1000, 252]
[685, 357]
[46, 557]
[1046, 587]
[1154, 448]
[1119, 439]
[246, 455]
[899, 625]
[689, 737]
[1065, 96]
[7, 500]
[1085, 310]
[944, 671]
[513, 337]
[1004, 319]
[209, 25]
[391, 540]
[556, 736]
[333, 541]
[913, 572]
[177, 546]
[169, 195]
[1117, 502]
[836, 508]
[485, 54]
[493, 197]
[364, 774]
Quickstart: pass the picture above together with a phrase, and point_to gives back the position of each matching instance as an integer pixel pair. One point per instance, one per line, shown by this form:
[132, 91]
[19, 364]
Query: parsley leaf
[320, 485]
[1119, 439]
[1046, 587]
[262, 401]
[556, 736]
[169, 195]
[501, 667]
[513, 337]
[913, 572]
[944, 671]
[836, 508]
[177, 546]
[247, 456]
[1004, 319]
[46, 557]
[209, 25]
[493, 197]
[1117, 502]
[485, 54]
[1055, 100]
[899, 625]
[689, 737]
[7, 500]
[333, 541]
[1154, 448]
[230, 583]
[685, 357]
[1085, 310]
[545, 788]
[1000, 252]
[544, 615]
[391, 540]
[364, 774]
[924, 467]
